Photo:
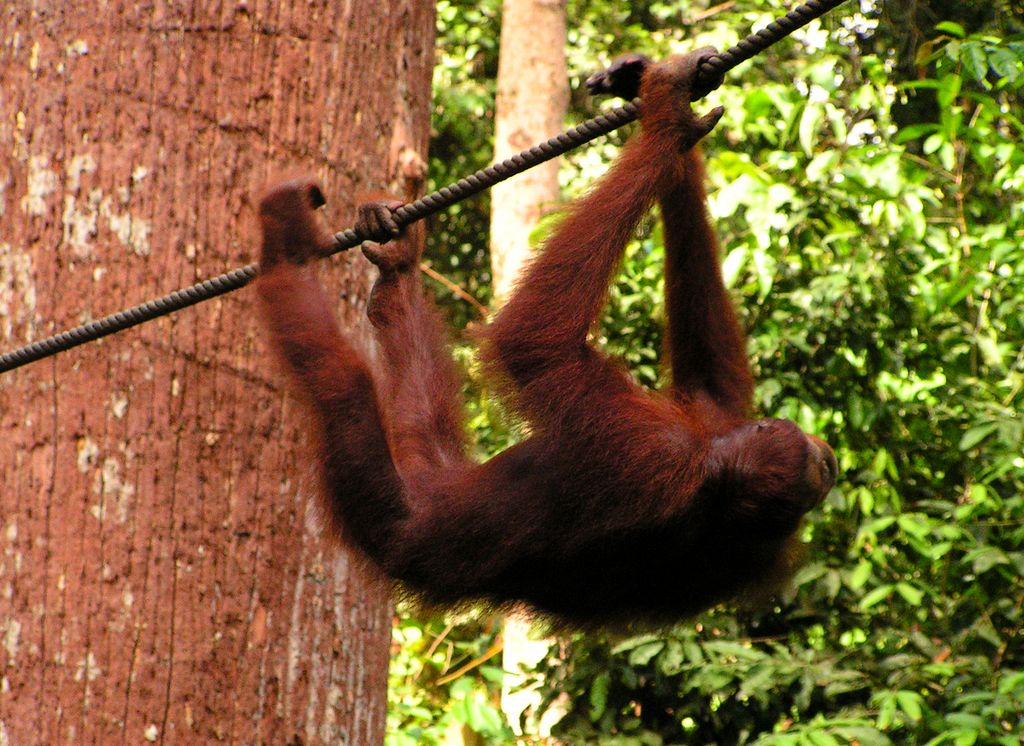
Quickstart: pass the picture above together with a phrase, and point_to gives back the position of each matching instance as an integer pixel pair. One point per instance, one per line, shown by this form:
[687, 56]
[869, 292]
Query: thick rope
[711, 73]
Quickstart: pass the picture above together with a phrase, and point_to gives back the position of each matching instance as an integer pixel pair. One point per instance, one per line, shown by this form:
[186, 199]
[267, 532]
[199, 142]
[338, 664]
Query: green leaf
[951, 28]
[641, 656]
[765, 266]
[917, 525]
[876, 596]
[633, 642]
[1005, 64]
[694, 654]
[822, 738]
[915, 131]
[911, 704]
[975, 60]
[967, 721]
[990, 351]
[933, 143]
[977, 435]
[863, 735]
[733, 265]
[822, 165]
[886, 710]
[599, 695]
[809, 122]
[494, 674]
[860, 575]
[949, 89]
[984, 559]
[909, 593]
[672, 660]
[483, 717]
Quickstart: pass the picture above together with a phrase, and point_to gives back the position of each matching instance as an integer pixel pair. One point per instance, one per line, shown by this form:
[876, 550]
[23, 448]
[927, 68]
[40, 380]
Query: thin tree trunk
[163, 576]
[533, 96]
[532, 100]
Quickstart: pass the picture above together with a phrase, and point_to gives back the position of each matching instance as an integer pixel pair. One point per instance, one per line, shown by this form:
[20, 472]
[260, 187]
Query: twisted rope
[710, 75]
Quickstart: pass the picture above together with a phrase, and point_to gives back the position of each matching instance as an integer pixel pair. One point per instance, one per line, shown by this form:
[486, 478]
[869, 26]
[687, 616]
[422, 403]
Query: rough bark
[533, 95]
[163, 577]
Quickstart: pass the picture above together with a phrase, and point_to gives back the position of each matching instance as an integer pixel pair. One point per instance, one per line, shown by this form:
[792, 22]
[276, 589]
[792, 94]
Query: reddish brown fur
[623, 503]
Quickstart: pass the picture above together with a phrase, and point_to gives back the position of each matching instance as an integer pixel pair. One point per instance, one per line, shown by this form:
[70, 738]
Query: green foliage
[462, 133]
[879, 270]
[425, 702]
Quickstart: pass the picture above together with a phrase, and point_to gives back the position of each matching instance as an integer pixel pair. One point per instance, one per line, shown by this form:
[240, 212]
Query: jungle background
[866, 182]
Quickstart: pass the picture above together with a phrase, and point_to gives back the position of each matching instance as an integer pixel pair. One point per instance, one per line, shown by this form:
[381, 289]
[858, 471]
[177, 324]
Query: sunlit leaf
[951, 28]
[875, 597]
[599, 695]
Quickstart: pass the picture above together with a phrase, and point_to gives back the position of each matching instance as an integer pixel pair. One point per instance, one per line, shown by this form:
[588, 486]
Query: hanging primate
[622, 504]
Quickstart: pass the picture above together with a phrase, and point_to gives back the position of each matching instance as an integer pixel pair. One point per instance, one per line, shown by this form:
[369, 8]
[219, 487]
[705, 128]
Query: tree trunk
[533, 97]
[163, 573]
